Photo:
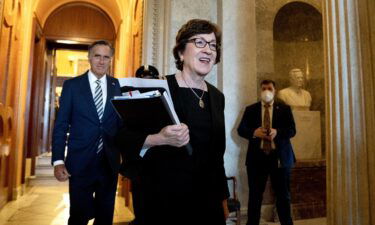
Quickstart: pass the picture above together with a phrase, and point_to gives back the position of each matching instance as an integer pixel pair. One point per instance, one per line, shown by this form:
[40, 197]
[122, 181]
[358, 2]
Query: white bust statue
[294, 95]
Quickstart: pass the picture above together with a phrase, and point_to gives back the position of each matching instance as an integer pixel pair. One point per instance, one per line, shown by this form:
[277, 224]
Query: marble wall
[266, 11]
[282, 43]
[239, 83]
[298, 43]
[202, 9]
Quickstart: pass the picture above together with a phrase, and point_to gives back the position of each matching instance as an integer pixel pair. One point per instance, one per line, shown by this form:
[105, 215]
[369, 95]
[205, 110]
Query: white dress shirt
[103, 84]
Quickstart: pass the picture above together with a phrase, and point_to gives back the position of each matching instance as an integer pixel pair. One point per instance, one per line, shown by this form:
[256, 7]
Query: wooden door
[4, 158]
[6, 34]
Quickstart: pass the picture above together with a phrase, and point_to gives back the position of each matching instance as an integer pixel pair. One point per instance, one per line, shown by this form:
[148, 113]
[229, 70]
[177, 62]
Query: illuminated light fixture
[67, 42]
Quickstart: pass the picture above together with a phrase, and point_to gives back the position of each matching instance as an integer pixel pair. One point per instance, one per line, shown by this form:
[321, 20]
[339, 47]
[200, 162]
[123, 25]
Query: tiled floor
[316, 221]
[49, 205]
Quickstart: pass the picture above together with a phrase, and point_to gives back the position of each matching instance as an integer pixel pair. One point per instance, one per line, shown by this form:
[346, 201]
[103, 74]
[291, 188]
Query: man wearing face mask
[268, 125]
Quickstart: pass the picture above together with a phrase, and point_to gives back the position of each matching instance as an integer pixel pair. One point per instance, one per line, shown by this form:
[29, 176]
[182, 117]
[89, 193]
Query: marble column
[349, 44]
[239, 83]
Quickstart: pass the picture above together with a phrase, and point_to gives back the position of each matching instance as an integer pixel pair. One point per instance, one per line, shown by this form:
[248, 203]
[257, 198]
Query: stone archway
[298, 44]
[79, 21]
[44, 8]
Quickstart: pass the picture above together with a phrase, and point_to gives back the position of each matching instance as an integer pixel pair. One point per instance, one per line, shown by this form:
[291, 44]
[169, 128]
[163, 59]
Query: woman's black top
[168, 179]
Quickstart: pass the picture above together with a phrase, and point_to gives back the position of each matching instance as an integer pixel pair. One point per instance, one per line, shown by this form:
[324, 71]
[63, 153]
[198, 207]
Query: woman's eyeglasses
[201, 43]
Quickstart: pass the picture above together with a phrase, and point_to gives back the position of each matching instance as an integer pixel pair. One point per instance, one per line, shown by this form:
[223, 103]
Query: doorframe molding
[156, 41]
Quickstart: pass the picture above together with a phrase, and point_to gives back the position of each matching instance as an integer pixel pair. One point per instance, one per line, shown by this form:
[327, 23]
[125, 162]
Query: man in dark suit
[268, 125]
[92, 162]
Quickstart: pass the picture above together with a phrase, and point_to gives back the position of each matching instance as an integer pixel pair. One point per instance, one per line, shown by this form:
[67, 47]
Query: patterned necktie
[98, 100]
[267, 147]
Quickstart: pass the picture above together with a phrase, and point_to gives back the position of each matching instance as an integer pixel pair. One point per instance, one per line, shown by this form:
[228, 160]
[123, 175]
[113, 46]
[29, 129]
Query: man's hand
[61, 173]
[272, 134]
[260, 132]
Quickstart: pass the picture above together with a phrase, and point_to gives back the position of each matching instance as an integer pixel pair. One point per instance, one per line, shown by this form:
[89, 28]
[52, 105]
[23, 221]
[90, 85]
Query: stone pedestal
[307, 142]
[308, 189]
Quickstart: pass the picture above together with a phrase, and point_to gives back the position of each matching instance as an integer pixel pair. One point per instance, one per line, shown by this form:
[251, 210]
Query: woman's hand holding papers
[174, 135]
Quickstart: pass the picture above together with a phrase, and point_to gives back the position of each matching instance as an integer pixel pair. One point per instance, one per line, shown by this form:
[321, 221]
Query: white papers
[172, 111]
[148, 83]
[137, 95]
[144, 83]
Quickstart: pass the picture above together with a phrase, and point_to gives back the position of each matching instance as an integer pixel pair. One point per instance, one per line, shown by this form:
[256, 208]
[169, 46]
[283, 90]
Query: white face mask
[267, 96]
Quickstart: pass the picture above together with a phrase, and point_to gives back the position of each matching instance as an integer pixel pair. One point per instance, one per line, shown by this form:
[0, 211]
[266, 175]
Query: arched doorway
[27, 70]
[60, 52]
[67, 32]
[298, 44]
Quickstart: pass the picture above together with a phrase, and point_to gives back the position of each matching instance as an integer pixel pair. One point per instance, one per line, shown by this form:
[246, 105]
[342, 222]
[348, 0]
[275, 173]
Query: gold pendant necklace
[201, 102]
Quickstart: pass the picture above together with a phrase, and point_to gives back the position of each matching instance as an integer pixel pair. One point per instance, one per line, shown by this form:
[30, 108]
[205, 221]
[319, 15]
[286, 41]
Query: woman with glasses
[171, 185]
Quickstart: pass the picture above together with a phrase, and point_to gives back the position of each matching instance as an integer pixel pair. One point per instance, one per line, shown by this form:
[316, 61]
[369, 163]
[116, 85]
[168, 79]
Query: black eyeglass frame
[211, 44]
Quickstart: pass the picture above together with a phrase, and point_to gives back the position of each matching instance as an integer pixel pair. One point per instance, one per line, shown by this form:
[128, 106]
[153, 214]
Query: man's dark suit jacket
[78, 116]
[282, 121]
